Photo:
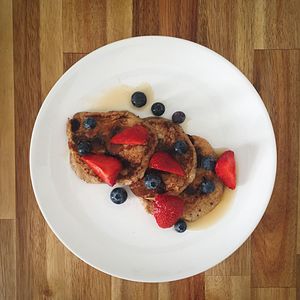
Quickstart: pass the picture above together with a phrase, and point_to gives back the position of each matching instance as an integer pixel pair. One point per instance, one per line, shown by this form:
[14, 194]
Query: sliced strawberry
[104, 166]
[165, 162]
[225, 169]
[167, 210]
[136, 135]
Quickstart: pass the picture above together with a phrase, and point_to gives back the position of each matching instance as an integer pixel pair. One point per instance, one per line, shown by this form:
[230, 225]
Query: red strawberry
[104, 166]
[136, 135]
[165, 162]
[225, 169]
[167, 210]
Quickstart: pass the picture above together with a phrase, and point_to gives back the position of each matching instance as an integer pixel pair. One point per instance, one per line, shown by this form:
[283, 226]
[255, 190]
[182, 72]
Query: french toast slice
[196, 205]
[134, 158]
[168, 133]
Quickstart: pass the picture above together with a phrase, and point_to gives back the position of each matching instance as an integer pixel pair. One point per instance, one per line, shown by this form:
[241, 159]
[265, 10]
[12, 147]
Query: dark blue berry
[178, 117]
[84, 147]
[180, 147]
[152, 181]
[138, 99]
[207, 186]
[75, 124]
[208, 163]
[89, 123]
[157, 109]
[180, 226]
[118, 195]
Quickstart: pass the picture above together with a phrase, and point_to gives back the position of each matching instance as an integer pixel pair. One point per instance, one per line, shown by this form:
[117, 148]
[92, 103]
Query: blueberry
[207, 186]
[180, 147]
[157, 109]
[138, 99]
[208, 163]
[152, 181]
[118, 195]
[178, 117]
[75, 124]
[180, 226]
[84, 147]
[89, 123]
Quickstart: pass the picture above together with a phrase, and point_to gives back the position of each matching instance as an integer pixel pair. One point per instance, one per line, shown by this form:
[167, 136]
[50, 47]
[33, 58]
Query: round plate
[221, 105]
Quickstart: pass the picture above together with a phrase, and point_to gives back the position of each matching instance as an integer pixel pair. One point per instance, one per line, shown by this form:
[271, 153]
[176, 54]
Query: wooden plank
[227, 288]
[86, 282]
[273, 294]
[7, 260]
[276, 74]
[145, 17]
[190, 288]
[7, 140]
[227, 28]
[237, 264]
[119, 19]
[84, 25]
[30, 225]
[278, 24]
[129, 290]
[178, 18]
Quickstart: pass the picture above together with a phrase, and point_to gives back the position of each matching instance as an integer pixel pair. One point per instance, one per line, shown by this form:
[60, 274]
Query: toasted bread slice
[168, 133]
[134, 158]
[197, 205]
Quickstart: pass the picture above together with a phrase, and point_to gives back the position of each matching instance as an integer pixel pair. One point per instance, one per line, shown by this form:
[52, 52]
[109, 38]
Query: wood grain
[227, 287]
[278, 23]
[276, 75]
[84, 25]
[273, 294]
[7, 260]
[190, 288]
[39, 40]
[31, 228]
[119, 20]
[7, 141]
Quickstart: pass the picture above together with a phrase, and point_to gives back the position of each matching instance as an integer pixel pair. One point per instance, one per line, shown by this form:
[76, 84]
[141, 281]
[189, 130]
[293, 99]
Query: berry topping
[75, 124]
[180, 147]
[167, 210]
[207, 162]
[178, 117]
[225, 169]
[157, 108]
[138, 99]
[152, 181]
[89, 123]
[136, 135]
[84, 147]
[180, 226]
[206, 186]
[118, 195]
[165, 162]
[105, 167]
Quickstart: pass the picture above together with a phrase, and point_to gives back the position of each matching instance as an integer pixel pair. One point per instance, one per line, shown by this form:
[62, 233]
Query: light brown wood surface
[40, 39]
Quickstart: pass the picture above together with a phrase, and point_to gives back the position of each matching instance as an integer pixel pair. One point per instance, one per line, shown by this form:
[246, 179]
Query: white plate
[221, 106]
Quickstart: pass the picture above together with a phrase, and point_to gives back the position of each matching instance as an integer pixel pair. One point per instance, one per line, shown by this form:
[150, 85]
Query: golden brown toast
[168, 133]
[196, 204]
[134, 158]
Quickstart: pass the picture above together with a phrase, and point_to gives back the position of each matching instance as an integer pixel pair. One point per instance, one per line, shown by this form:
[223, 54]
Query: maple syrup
[119, 98]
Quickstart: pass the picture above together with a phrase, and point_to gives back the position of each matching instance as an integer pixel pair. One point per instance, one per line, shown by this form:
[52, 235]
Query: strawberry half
[167, 210]
[136, 135]
[165, 162]
[225, 169]
[104, 166]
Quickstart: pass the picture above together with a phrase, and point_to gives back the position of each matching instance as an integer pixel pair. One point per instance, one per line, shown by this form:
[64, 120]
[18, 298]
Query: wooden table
[39, 40]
